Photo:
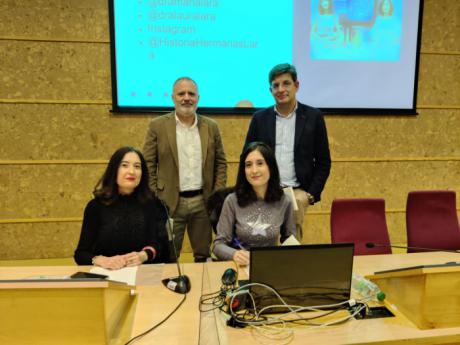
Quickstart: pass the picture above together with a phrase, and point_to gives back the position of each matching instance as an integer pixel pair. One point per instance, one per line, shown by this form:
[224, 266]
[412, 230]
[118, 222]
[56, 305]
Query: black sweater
[122, 227]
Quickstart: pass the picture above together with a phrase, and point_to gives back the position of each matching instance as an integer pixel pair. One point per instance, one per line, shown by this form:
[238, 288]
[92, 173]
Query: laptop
[304, 275]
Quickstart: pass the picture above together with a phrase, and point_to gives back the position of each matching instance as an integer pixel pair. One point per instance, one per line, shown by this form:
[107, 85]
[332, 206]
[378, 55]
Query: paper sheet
[291, 241]
[125, 275]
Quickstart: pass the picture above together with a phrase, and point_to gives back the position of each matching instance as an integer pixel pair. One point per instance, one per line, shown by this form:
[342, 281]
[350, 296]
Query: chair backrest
[360, 221]
[214, 205]
[431, 220]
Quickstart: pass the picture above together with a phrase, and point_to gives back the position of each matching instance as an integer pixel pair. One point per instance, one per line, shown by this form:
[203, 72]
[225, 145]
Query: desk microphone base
[180, 284]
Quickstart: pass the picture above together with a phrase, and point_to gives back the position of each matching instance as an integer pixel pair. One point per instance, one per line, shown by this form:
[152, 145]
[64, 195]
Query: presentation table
[189, 326]
[154, 303]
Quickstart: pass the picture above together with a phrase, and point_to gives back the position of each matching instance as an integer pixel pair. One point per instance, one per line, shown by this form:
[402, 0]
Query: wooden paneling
[441, 25]
[54, 70]
[439, 81]
[56, 128]
[433, 133]
[38, 240]
[55, 19]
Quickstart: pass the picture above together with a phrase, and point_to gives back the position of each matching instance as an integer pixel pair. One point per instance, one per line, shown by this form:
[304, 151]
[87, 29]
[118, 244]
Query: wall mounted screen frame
[352, 56]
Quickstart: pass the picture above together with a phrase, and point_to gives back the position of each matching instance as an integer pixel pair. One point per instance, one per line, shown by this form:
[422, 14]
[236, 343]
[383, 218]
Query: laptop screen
[304, 275]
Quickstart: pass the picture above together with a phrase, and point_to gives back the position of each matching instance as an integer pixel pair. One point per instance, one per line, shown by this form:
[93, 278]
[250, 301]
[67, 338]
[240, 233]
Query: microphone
[377, 245]
[181, 283]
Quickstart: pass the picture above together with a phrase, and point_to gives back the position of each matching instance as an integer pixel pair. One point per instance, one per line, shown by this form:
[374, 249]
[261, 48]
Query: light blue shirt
[284, 148]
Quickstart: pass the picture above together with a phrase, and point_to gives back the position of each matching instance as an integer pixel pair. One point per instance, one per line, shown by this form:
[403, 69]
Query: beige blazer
[160, 152]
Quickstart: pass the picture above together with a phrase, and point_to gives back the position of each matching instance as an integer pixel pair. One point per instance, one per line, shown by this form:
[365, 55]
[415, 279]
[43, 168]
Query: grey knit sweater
[259, 224]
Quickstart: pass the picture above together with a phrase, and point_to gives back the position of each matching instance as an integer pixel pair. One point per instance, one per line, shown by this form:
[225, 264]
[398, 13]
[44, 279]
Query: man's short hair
[185, 78]
[281, 69]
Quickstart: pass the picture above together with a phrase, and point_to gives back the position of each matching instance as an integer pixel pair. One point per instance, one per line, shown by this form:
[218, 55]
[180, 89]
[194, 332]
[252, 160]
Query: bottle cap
[381, 296]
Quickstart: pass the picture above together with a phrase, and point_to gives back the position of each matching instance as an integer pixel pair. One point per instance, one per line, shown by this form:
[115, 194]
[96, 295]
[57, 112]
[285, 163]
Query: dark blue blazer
[312, 158]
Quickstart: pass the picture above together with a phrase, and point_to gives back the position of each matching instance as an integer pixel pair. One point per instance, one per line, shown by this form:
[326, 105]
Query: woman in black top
[124, 225]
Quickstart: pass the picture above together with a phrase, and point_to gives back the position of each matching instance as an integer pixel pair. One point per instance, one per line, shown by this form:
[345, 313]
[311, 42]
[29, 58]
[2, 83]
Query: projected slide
[350, 55]
[356, 30]
[362, 30]
[226, 46]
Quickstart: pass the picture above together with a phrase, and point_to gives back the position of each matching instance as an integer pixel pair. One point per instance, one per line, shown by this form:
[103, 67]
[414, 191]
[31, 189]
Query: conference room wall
[57, 132]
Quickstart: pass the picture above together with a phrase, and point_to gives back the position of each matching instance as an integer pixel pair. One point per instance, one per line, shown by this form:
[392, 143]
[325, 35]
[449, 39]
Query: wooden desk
[154, 303]
[188, 326]
[395, 330]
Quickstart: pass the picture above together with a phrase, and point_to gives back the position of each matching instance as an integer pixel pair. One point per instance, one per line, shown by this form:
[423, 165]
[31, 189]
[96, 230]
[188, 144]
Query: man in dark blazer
[297, 133]
[186, 162]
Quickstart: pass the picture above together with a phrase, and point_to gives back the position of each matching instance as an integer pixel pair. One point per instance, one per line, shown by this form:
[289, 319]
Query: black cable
[137, 337]
[217, 301]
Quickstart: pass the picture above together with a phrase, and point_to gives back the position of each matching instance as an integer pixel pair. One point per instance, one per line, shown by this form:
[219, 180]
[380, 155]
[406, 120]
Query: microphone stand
[450, 263]
[376, 245]
[181, 283]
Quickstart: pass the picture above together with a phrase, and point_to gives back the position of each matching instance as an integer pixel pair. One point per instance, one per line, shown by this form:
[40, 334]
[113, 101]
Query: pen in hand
[237, 242]
[241, 257]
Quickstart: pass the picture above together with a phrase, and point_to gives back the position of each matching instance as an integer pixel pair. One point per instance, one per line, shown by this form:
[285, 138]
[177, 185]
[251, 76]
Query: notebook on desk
[304, 275]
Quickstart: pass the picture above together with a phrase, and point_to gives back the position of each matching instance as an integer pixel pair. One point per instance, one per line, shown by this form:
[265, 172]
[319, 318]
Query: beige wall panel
[63, 131]
[232, 172]
[389, 180]
[433, 133]
[439, 80]
[55, 71]
[38, 240]
[441, 27]
[5, 183]
[396, 223]
[49, 191]
[233, 131]
[55, 19]
[317, 228]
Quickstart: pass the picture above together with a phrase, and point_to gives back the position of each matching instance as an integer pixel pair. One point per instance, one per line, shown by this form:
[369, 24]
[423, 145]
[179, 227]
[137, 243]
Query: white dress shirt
[189, 154]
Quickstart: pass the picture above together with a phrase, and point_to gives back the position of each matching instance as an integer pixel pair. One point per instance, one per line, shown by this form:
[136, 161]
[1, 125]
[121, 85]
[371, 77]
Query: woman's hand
[135, 258]
[241, 257]
[110, 262]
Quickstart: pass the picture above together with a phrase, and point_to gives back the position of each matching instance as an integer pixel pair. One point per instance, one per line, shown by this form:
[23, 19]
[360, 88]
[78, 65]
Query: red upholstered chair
[431, 220]
[360, 221]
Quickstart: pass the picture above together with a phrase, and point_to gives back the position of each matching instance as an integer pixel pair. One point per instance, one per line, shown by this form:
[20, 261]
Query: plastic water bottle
[366, 288]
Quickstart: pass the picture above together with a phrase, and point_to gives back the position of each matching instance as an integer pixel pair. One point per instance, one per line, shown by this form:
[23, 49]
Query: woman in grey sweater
[258, 213]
